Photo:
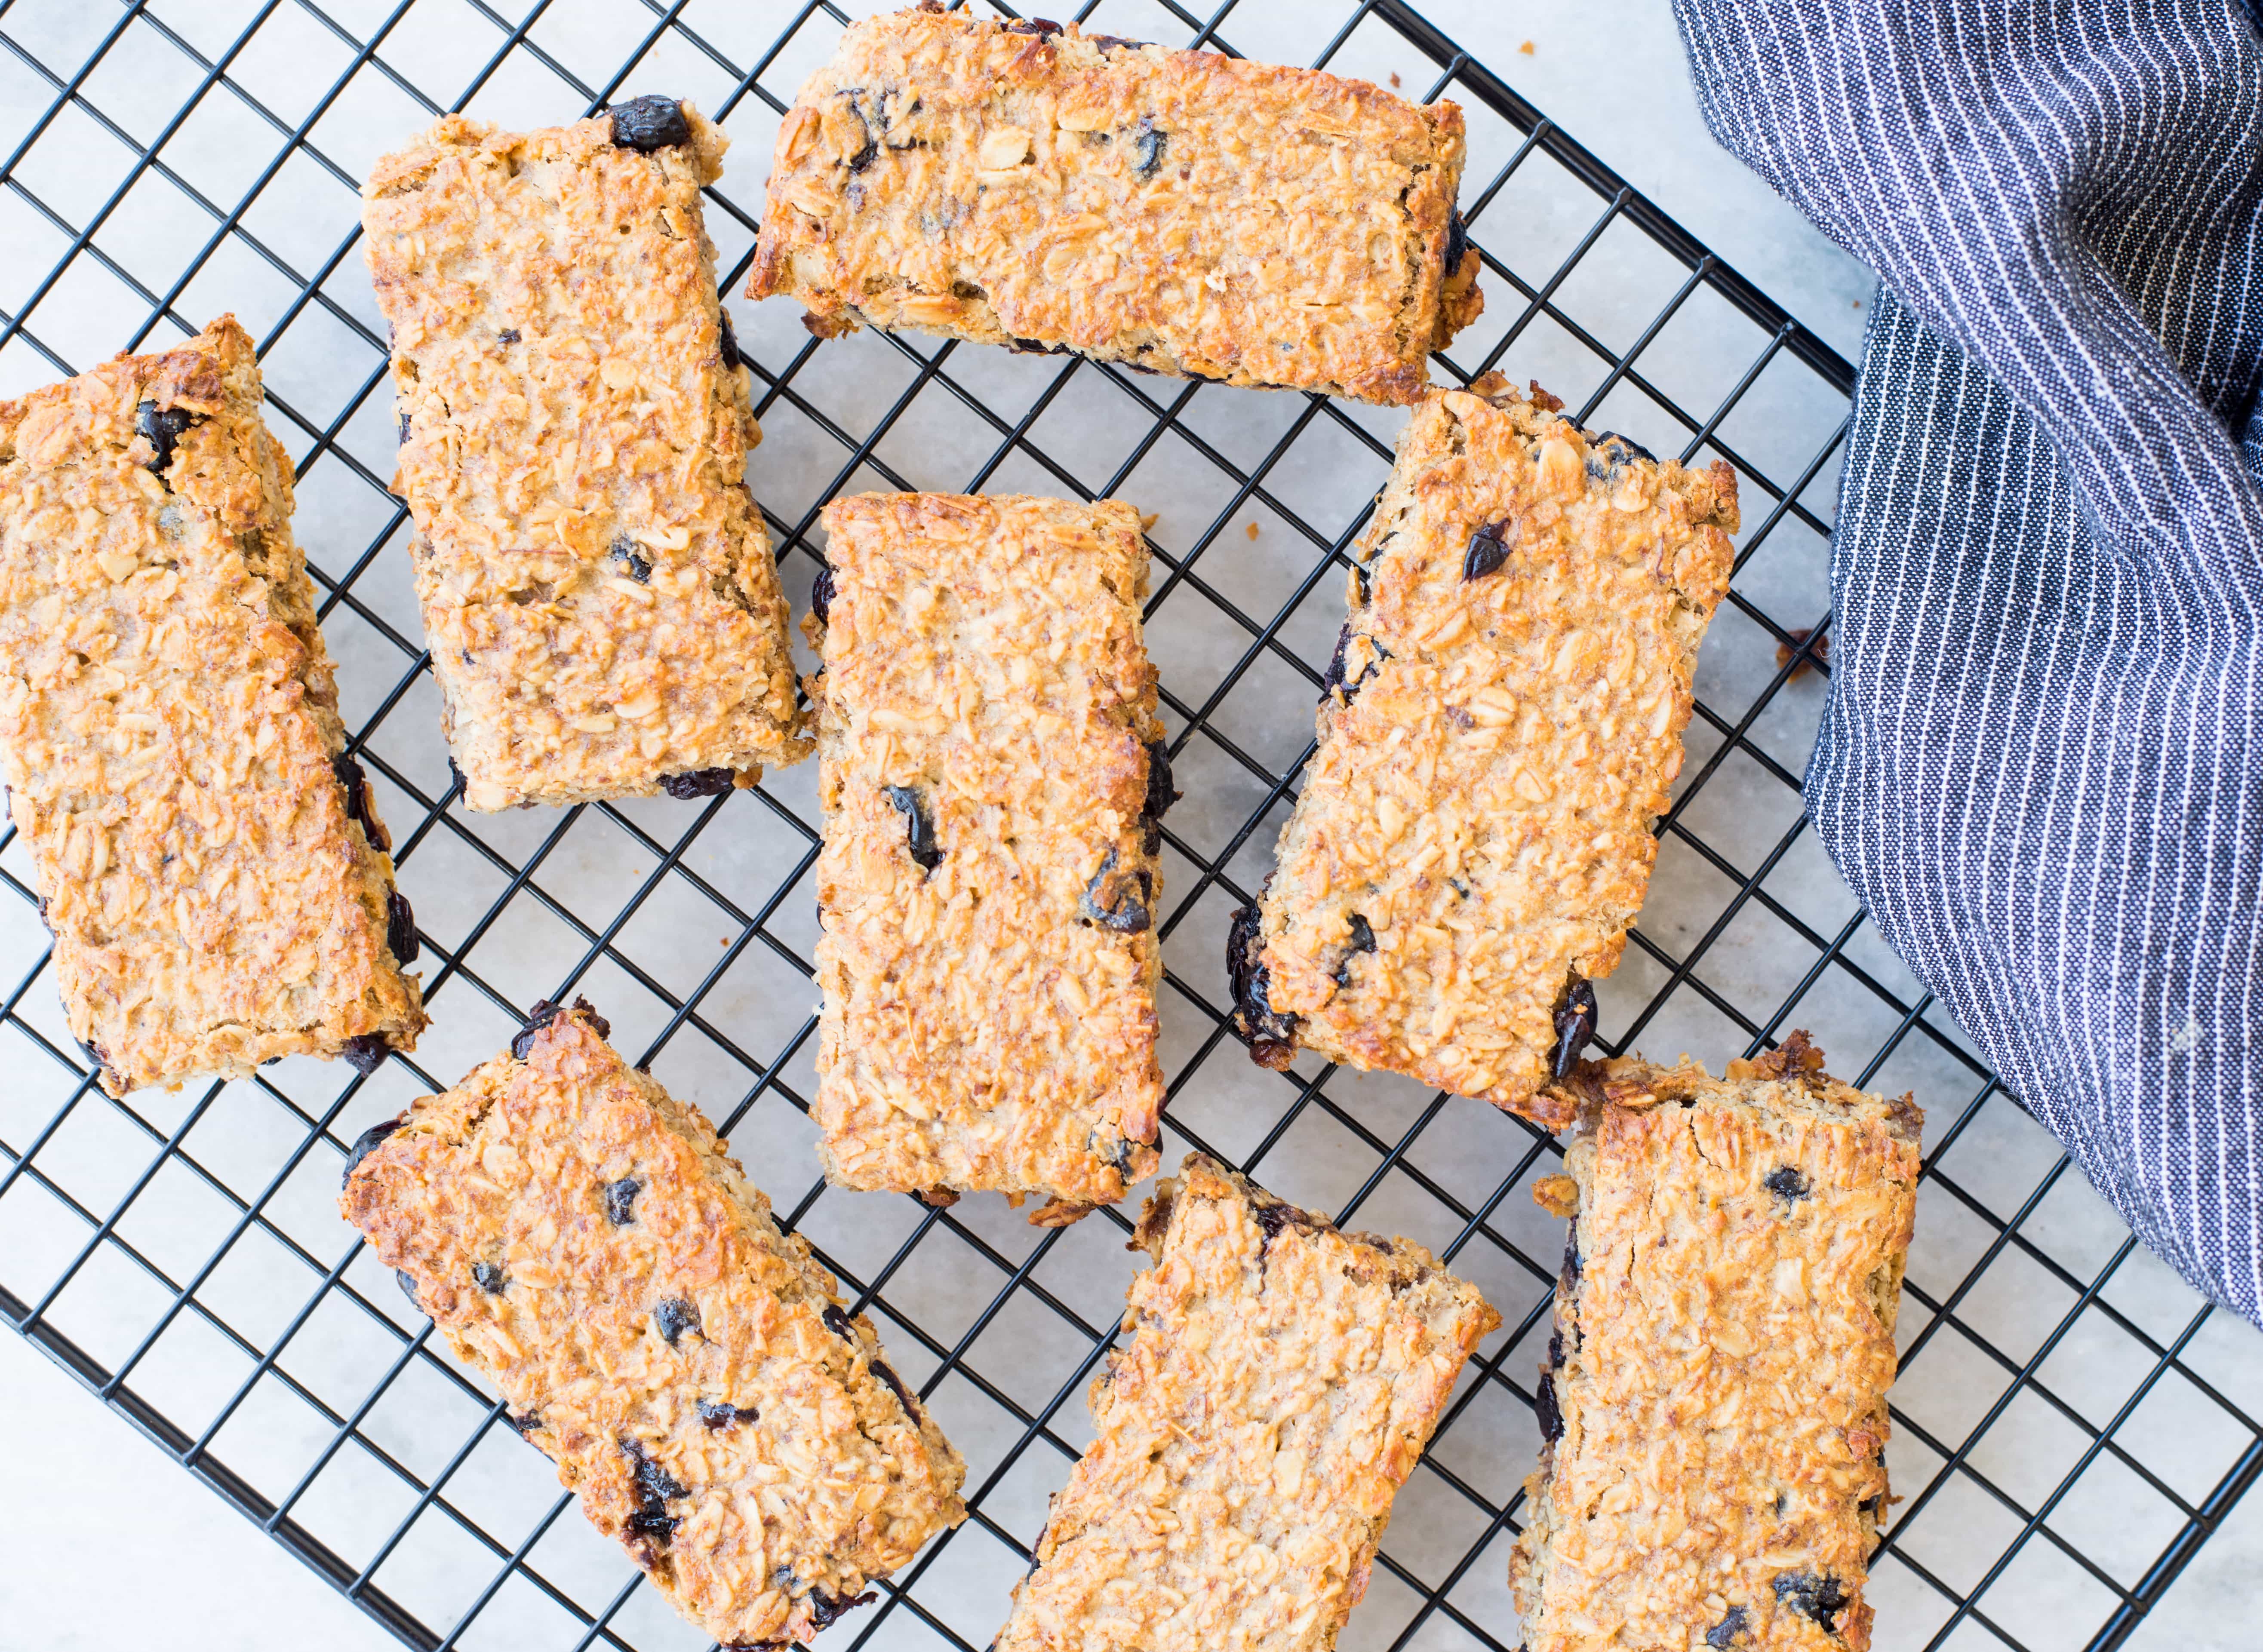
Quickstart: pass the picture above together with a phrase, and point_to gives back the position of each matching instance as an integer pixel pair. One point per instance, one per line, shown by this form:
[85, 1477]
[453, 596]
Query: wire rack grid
[2071, 1425]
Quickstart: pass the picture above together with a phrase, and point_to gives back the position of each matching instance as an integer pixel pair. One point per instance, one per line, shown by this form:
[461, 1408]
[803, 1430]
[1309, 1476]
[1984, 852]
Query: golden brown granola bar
[597, 581]
[207, 856]
[1501, 721]
[1182, 212]
[581, 1240]
[992, 773]
[1714, 1406]
[1281, 1381]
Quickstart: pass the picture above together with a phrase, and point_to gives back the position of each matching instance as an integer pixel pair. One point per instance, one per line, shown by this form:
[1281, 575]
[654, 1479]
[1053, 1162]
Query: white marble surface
[99, 1533]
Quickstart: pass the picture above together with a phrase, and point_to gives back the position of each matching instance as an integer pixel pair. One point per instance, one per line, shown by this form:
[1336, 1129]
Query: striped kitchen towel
[2041, 763]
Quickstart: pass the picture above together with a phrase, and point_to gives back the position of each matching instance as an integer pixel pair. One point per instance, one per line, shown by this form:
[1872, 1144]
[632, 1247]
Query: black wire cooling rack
[2071, 1425]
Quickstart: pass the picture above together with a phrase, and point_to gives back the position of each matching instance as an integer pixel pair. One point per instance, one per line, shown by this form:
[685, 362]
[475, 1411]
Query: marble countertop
[103, 1539]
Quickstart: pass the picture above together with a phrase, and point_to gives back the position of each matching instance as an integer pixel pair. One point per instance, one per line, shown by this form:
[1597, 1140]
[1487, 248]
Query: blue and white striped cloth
[2041, 765]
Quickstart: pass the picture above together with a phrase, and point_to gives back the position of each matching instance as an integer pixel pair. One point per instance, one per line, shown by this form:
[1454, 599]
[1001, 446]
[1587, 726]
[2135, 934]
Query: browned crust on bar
[826, 1472]
[1496, 748]
[1281, 1380]
[989, 1019]
[168, 720]
[1182, 212]
[545, 469]
[1725, 1343]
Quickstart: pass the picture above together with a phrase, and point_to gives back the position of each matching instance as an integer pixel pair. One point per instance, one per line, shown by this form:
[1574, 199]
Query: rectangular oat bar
[1181, 212]
[207, 857]
[1714, 1407]
[1499, 727]
[597, 583]
[992, 771]
[581, 1241]
[1281, 1381]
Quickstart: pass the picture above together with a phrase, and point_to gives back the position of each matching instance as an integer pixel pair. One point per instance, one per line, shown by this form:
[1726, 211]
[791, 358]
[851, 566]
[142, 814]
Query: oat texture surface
[581, 1239]
[993, 770]
[214, 874]
[1281, 1380]
[596, 579]
[1186, 213]
[1502, 722]
[1716, 1403]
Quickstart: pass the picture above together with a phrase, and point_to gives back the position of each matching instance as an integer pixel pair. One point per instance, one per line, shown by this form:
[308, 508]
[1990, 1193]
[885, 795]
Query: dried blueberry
[821, 595]
[919, 828]
[1333, 681]
[837, 1321]
[526, 1425]
[700, 782]
[1568, 1275]
[162, 426]
[1116, 900]
[1109, 42]
[621, 1201]
[489, 1277]
[546, 1012]
[355, 784]
[673, 1317]
[1160, 793]
[730, 342]
[623, 551]
[1785, 1182]
[824, 1608]
[864, 157]
[1555, 1349]
[1576, 1025]
[720, 1414]
[1149, 144]
[1457, 242]
[1545, 1409]
[646, 124]
[1272, 1218]
[654, 1488]
[1038, 27]
[408, 1287]
[403, 441]
[1271, 1038]
[1363, 940]
[1818, 1598]
[911, 1406]
[1633, 447]
[400, 928]
[1488, 549]
[365, 1052]
[1724, 1634]
[509, 335]
[366, 1143]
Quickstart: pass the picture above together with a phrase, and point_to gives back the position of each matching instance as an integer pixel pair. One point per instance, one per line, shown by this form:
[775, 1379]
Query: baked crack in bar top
[581, 1240]
[991, 772]
[1714, 1407]
[1499, 727]
[605, 617]
[208, 859]
[1281, 1380]
[1181, 212]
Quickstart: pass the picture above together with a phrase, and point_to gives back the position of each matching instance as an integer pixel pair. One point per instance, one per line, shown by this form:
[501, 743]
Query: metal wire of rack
[2071, 1426]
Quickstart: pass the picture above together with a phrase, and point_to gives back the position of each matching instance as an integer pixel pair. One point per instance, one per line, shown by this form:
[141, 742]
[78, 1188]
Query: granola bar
[1181, 212]
[1281, 1381]
[208, 858]
[596, 583]
[992, 771]
[1501, 723]
[580, 1239]
[1714, 1406]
